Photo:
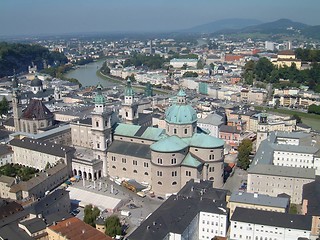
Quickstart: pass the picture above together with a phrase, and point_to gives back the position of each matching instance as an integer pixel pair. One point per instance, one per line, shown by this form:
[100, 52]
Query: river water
[87, 75]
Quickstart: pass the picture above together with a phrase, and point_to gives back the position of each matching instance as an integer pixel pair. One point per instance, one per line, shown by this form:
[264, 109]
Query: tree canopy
[151, 61]
[4, 106]
[18, 56]
[190, 74]
[90, 215]
[244, 151]
[113, 226]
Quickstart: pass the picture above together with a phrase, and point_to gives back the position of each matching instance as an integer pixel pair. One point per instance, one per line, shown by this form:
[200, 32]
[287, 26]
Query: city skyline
[22, 17]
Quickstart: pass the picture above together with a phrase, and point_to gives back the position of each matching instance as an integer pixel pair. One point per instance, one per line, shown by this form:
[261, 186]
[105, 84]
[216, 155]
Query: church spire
[99, 100]
[128, 93]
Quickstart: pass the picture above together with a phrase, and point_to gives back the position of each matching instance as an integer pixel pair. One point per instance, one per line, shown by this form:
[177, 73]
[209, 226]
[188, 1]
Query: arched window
[124, 169]
[174, 183]
[114, 166]
[146, 173]
[97, 124]
[135, 171]
[159, 183]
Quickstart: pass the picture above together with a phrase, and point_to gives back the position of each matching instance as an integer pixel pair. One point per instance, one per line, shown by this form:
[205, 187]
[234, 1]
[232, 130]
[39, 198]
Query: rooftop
[276, 219]
[75, 229]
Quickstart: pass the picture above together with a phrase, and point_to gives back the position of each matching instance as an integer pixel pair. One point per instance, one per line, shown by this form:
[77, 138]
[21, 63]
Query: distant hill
[224, 24]
[312, 32]
[281, 26]
[19, 56]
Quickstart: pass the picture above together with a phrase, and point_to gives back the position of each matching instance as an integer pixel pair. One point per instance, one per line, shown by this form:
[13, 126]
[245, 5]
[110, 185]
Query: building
[310, 205]
[257, 201]
[257, 224]
[38, 153]
[287, 58]
[5, 155]
[37, 186]
[179, 63]
[292, 149]
[198, 211]
[212, 122]
[167, 161]
[274, 180]
[74, 228]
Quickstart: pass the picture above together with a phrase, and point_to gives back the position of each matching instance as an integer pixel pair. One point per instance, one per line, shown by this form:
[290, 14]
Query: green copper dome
[169, 144]
[128, 91]
[99, 98]
[180, 112]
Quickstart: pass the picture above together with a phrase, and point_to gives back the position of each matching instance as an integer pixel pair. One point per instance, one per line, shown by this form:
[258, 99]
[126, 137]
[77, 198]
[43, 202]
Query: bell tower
[16, 103]
[129, 110]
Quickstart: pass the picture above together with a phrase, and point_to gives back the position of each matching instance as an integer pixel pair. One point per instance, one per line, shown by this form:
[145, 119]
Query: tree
[297, 118]
[190, 74]
[113, 226]
[4, 106]
[90, 215]
[200, 64]
[244, 151]
[263, 69]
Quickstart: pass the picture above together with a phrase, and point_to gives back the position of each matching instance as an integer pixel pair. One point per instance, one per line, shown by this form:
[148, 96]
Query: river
[87, 75]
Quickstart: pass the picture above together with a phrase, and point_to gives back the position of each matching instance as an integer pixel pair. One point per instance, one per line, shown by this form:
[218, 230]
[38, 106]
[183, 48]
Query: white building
[178, 63]
[265, 225]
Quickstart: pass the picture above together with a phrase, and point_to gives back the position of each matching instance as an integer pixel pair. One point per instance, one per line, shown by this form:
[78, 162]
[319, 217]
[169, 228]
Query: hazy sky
[19, 17]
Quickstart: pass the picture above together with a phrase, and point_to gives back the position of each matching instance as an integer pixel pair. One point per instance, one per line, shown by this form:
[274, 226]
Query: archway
[90, 176]
[85, 175]
[95, 176]
[79, 173]
[75, 172]
[99, 174]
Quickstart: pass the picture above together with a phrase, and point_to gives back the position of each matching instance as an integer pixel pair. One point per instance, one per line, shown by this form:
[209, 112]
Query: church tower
[16, 103]
[262, 131]
[129, 110]
[101, 129]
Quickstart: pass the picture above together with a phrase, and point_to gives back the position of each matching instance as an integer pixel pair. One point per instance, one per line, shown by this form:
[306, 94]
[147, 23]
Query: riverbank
[123, 82]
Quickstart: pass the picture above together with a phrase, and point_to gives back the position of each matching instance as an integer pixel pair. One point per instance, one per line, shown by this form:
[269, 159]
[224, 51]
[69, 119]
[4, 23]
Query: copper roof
[75, 229]
[37, 110]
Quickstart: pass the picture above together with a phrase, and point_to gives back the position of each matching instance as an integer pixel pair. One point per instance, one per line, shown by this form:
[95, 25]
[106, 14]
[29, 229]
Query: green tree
[263, 69]
[244, 150]
[200, 64]
[297, 118]
[4, 106]
[90, 215]
[113, 226]
[190, 74]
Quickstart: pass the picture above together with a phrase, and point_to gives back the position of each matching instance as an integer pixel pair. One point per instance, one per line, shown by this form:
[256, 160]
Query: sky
[36, 17]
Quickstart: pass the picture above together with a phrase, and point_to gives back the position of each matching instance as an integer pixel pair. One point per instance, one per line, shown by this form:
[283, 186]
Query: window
[134, 162]
[113, 158]
[97, 124]
[211, 169]
[145, 164]
[188, 173]
[135, 171]
[173, 161]
[124, 169]
[124, 160]
[98, 145]
[211, 156]
[146, 173]
[159, 183]
[159, 173]
[174, 183]
[159, 160]
[174, 174]
[186, 131]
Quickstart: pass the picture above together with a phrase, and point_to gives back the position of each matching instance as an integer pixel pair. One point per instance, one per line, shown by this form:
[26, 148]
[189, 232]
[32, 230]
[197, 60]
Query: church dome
[99, 98]
[181, 112]
[36, 82]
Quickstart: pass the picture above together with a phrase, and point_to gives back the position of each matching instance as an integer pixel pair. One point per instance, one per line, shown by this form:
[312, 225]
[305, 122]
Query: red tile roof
[75, 229]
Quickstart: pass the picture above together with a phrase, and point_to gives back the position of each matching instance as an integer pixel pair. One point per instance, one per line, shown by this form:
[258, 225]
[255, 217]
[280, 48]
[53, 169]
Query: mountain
[276, 27]
[312, 32]
[232, 23]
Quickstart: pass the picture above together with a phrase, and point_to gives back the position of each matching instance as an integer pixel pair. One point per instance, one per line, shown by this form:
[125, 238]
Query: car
[74, 212]
[132, 206]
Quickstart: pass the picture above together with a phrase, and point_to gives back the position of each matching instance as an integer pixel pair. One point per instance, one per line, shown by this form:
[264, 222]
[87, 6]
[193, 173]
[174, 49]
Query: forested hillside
[19, 56]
